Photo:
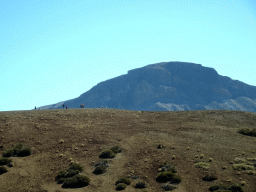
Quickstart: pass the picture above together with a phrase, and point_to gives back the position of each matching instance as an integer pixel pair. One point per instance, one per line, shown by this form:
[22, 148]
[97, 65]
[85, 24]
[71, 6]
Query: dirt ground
[86, 132]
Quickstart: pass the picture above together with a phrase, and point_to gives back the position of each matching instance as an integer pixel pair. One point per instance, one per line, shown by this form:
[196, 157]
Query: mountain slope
[169, 86]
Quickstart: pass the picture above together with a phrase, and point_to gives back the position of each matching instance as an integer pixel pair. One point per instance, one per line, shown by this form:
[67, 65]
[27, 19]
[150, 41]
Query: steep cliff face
[170, 86]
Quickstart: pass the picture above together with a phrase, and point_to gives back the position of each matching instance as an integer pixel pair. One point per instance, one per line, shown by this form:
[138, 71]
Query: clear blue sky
[55, 50]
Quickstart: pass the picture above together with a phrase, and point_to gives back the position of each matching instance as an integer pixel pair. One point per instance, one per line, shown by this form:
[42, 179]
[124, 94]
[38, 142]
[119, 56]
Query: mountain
[168, 86]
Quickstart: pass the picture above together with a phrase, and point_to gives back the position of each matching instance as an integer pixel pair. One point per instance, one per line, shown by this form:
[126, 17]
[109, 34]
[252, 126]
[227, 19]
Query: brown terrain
[81, 134]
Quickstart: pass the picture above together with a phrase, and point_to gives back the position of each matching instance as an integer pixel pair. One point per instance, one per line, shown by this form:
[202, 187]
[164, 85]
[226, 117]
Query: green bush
[116, 149]
[60, 175]
[210, 177]
[167, 167]
[71, 173]
[232, 188]
[17, 149]
[8, 153]
[121, 186]
[202, 165]
[76, 166]
[61, 180]
[123, 180]
[248, 132]
[168, 187]
[239, 160]
[76, 182]
[107, 154]
[100, 169]
[242, 166]
[168, 176]
[2, 170]
[141, 185]
[5, 161]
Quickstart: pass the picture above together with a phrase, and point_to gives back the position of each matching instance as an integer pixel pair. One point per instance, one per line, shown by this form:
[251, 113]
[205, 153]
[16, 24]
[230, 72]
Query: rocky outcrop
[170, 86]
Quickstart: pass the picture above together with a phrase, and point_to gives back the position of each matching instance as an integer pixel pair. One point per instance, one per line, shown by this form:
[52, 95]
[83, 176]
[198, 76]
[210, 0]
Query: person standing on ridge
[35, 107]
[66, 107]
[63, 106]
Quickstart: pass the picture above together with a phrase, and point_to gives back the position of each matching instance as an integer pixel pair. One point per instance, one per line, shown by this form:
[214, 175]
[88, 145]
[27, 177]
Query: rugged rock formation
[169, 86]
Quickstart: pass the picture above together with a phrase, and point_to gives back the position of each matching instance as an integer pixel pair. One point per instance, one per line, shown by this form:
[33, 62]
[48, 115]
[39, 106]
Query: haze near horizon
[53, 51]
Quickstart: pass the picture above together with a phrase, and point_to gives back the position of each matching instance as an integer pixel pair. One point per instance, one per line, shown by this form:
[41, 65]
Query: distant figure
[82, 105]
[66, 107]
[63, 106]
[102, 107]
[35, 107]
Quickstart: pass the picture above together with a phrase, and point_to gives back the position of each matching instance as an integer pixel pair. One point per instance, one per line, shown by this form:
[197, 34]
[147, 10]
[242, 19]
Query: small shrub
[5, 161]
[248, 132]
[168, 187]
[2, 170]
[8, 153]
[61, 180]
[123, 180]
[202, 165]
[210, 177]
[60, 175]
[141, 185]
[76, 166]
[76, 182]
[221, 188]
[121, 186]
[100, 169]
[168, 176]
[116, 149]
[107, 154]
[239, 160]
[71, 173]
[167, 167]
[242, 166]
[17, 149]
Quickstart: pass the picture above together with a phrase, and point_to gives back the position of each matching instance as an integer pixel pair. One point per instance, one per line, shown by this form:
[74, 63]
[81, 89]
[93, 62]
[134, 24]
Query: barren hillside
[59, 137]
